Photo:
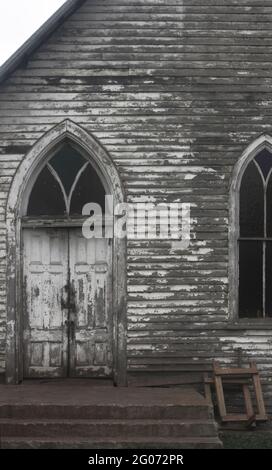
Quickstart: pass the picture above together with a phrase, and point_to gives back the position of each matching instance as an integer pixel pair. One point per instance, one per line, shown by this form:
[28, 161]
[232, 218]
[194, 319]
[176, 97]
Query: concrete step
[111, 443]
[48, 416]
[104, 411]
[144, 428]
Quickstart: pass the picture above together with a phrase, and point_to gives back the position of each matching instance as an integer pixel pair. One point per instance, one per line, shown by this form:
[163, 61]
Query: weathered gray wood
[175, 92]
[91, 337]
[45, 275]
[52, 259]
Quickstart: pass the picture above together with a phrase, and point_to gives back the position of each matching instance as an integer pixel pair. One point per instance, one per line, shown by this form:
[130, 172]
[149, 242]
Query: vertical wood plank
[248, 401]
[258, 392]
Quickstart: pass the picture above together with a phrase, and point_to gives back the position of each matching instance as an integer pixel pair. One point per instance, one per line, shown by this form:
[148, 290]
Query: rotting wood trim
[16, 209]
[59, 221]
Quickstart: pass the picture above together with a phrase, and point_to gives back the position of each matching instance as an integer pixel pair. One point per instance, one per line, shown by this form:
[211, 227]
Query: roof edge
[23, 53]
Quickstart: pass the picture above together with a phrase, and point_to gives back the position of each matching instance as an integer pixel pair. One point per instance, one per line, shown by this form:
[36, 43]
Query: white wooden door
[90, 272]
[67, 304]
[45, 275]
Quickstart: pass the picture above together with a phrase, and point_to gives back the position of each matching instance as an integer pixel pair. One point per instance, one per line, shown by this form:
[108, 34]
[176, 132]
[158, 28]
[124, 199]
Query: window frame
[263, 142]
[67, 198]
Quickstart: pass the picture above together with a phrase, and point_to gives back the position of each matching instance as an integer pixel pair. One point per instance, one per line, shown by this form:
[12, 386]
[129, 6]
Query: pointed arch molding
[261, 143]
[30, 166]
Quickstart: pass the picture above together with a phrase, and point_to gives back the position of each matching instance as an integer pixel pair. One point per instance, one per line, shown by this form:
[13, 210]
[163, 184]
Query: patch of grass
[246, 439]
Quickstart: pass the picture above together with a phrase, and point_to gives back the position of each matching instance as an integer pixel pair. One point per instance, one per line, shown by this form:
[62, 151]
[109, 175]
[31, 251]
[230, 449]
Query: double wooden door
[67, 300]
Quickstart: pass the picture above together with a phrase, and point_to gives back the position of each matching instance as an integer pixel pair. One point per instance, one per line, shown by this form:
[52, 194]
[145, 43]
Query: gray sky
[21, 18]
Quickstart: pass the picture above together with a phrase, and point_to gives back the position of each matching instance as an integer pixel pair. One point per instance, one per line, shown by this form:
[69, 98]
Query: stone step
[104, 411]
[111, 443]
[107, 428]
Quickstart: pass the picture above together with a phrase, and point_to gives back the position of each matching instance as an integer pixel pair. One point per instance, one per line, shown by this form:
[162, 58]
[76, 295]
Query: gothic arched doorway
[64, 300]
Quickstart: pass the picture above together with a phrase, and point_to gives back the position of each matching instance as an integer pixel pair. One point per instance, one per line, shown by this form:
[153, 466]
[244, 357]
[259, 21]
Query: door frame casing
[22, 181]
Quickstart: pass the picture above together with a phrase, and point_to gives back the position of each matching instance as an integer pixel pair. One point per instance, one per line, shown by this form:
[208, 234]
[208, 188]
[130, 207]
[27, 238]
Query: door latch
[70, 324]
[64, 301]
[68, 297]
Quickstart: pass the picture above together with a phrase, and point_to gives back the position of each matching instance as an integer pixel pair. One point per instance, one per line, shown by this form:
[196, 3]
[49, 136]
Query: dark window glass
[268, 283]
[252, 203]
[88, 189]
[250, 279]
[264, 160]
[67, 163]
[46, 197]
[269, 207]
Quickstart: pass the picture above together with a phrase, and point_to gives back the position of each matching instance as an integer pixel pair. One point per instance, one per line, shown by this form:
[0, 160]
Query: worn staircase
[112, 419]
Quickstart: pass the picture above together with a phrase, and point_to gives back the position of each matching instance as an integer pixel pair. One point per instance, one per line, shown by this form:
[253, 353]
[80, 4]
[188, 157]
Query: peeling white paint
[113, 88]
[190, 177]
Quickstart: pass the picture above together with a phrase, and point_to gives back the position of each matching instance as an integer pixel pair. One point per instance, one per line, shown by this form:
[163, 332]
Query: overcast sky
[21, 18]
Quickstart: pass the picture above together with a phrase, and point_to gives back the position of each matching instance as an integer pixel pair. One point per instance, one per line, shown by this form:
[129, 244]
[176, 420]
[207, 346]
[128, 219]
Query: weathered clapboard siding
[175, 90]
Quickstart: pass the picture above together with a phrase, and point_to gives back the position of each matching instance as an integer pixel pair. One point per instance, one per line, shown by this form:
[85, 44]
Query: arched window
[65, 184]
[255, 238]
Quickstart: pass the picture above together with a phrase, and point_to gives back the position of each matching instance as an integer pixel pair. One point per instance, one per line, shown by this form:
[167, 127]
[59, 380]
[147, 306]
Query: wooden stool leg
[220, 396]
[258, 393]
[248, 402]
[207, 389]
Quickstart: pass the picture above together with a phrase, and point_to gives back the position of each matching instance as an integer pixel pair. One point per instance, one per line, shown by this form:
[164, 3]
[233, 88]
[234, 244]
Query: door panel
[45, 275]
[90, 271]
